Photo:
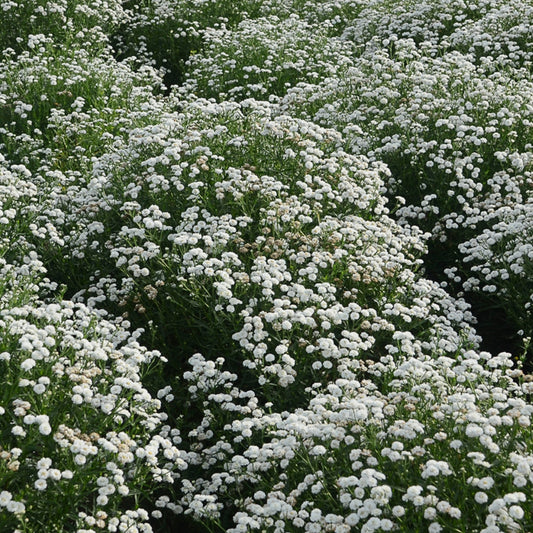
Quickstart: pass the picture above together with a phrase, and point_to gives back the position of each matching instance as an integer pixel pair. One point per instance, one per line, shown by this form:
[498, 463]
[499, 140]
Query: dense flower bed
[237, 250]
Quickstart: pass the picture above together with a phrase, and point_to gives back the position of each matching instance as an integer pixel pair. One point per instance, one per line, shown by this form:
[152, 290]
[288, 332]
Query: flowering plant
[254, 300]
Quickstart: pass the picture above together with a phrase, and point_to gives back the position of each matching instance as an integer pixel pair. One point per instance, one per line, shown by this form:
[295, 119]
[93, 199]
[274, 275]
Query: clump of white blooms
[68, 22]
[238, 241]
[342, 459]
[490, 31]
[167, 33]
[79, 430]
[443, 97]
[447, 128]
[264, 57]
[58, 112]
[499, 261]
[295, 244]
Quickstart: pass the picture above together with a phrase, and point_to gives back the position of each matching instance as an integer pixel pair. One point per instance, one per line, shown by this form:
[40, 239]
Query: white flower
[473, 430]
[5, 498]
[44, 463]
[519, 481]
[77, 399]
[40, 484]
[481, 497]
[16, 507]
[398, 511]
[318, 450]
[27, 364]
[430, 513]
[102, 500]
[352, 519]
[54, 474]
[80, 459]
[39, 388]
[516, 512]
[45, 429]
[18, 431]
[386, 524]
[485, 483]
[454, 512]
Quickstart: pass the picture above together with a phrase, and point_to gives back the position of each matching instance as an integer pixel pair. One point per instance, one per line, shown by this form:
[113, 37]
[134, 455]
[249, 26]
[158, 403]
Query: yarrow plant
[452, 124]
[500, 261]
[343, 461]
[262, 58]
[59, 108]
[269, 246]
[66, 22]
[80, 436]
[237, 248]
[284, 264]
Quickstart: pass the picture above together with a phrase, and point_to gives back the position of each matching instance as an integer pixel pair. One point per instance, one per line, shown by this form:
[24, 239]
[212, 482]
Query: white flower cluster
[452, 132]
[78, 101]
[301, 272]
[62, 19]
[369, 439]
[444, 98]
[75, 417]
[298, 249]
[500, 261]
[262, 58]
